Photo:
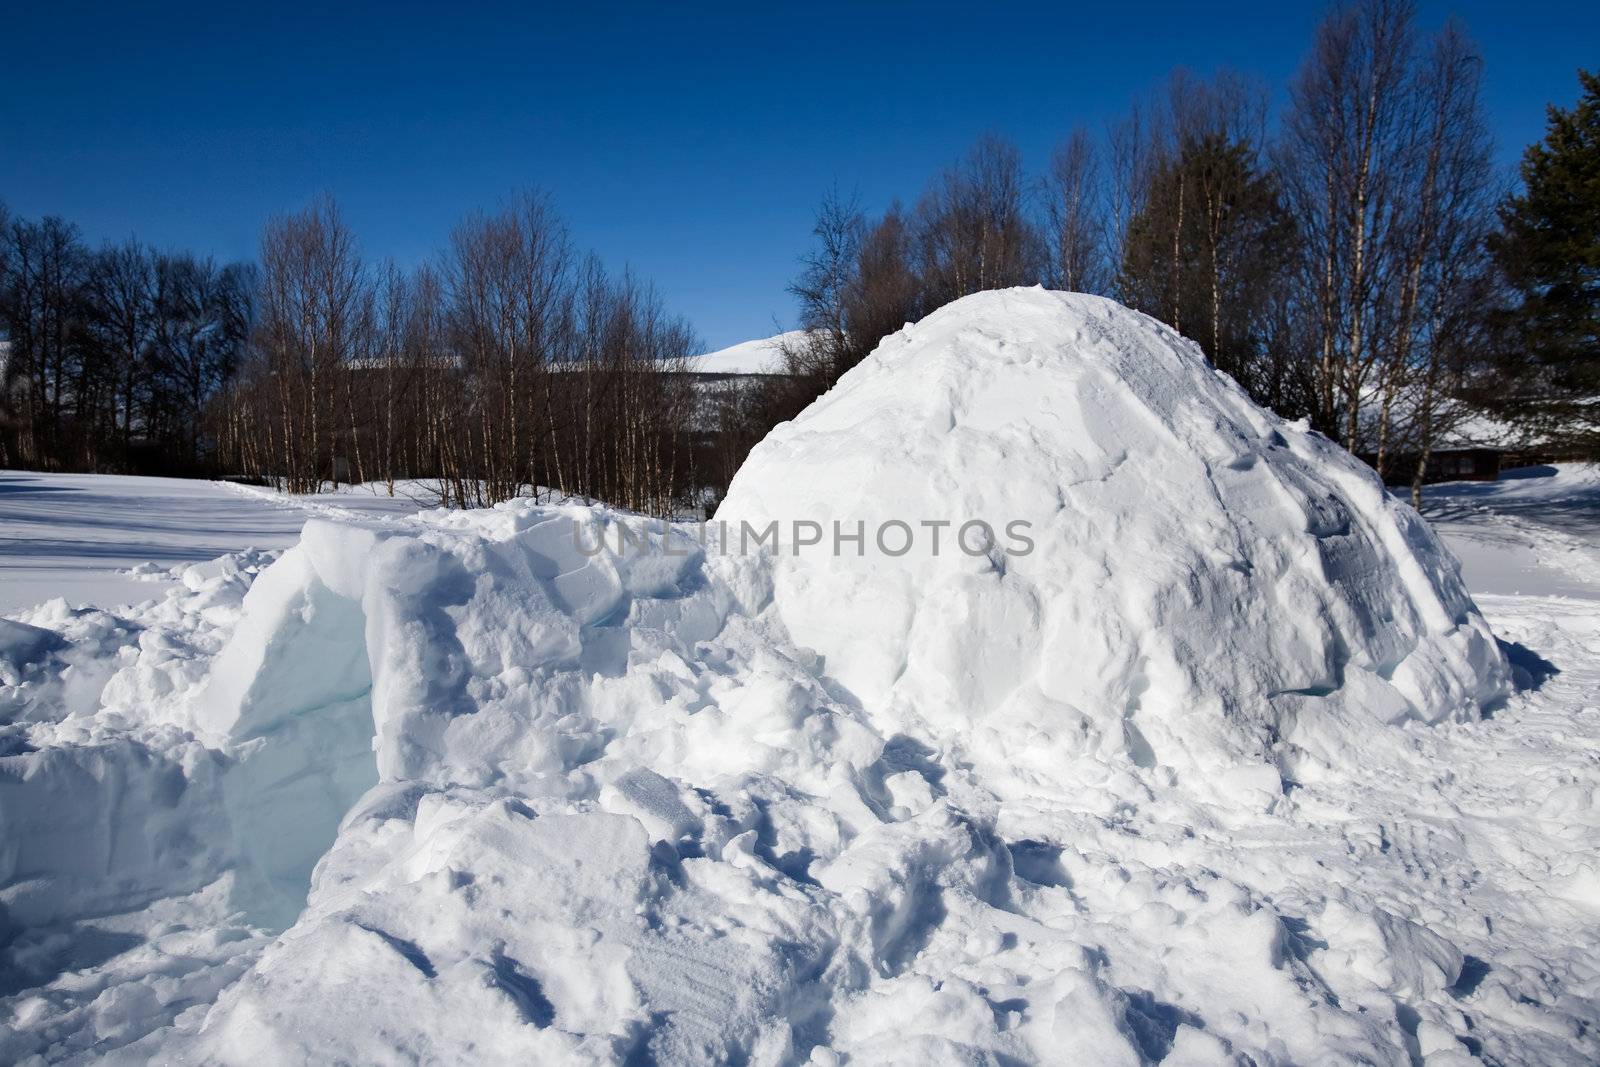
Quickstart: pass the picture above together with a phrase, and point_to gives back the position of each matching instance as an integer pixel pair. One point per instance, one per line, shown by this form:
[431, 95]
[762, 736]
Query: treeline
[509, 365]
[1336, 263]
[109, 358]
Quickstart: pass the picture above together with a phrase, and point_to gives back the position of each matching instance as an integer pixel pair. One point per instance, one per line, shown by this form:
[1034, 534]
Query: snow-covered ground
[1225, 770]
[1535, 532]
[109, 540]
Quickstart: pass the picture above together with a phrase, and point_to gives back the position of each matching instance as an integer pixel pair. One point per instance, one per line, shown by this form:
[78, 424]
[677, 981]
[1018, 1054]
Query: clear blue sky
[691, 141]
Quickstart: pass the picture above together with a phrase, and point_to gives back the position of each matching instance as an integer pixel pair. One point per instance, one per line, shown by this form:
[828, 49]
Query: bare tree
[1075, 218]
[9, 422]
[829, 271]
[510, 285]
[887, 291]
[859, 284]
[1448, 287]
[123, 284]
[202, 316]
[315, 308]
[397, 366]
[975, 233]
[1348, 151]
[45, 311]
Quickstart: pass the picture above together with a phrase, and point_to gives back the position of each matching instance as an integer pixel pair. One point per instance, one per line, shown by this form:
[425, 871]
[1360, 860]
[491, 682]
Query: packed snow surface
[1205, 776]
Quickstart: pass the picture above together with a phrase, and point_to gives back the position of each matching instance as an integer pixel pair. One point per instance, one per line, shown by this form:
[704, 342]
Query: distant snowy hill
[763, 356]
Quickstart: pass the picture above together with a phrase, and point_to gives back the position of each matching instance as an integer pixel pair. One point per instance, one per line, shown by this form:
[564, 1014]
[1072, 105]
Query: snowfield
[109, 540]
[1228, 768]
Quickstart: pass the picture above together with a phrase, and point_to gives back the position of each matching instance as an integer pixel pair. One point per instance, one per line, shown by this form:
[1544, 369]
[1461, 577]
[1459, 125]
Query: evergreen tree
[1206, 251]
[1549, 251]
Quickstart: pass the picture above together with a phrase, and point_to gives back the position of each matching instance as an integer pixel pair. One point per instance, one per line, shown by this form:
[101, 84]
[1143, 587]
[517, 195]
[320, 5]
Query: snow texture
[1205, 777]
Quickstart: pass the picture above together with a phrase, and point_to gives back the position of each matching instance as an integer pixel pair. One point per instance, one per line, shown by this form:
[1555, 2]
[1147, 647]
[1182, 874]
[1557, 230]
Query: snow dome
[1072, 520]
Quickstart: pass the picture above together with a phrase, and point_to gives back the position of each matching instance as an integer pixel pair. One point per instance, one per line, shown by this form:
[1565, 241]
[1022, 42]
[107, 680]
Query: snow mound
[1163, 566]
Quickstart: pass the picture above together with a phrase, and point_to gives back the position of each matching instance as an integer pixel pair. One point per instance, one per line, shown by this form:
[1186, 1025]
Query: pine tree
[1549, 251]
[1205, 252]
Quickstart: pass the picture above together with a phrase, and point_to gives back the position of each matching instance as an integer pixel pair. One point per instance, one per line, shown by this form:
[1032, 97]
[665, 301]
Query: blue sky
[690, 141]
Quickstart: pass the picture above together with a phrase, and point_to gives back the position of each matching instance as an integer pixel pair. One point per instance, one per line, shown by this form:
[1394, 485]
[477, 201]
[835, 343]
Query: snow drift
[501, 795]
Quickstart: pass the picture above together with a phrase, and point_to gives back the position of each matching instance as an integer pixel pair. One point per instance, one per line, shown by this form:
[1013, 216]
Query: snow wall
[565, 784]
